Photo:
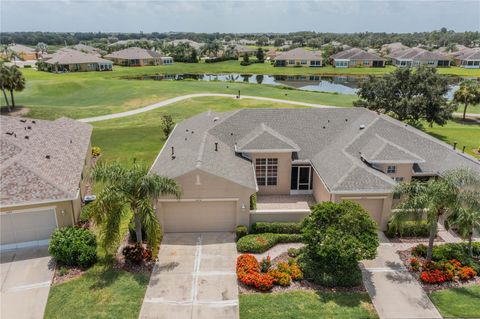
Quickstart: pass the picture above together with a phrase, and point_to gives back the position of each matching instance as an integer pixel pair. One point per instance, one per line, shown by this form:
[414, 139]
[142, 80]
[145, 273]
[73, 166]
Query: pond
[332, 84]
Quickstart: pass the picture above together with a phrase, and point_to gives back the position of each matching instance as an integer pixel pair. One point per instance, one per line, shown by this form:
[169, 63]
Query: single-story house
[23, 52]
[135, 56]
[193, 44]
[299, 57]
[43, 165]
[69, 60]
[468, 58]
[88, 49]
[291, 159]
[243, 49]
[419, 56]
[356, 57]
[390, 48]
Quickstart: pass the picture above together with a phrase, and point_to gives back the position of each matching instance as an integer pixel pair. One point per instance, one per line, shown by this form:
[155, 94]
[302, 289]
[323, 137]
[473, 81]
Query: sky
[239, 16]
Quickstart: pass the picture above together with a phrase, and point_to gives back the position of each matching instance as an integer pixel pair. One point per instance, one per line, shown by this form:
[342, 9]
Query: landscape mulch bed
[405, 256]
[413, 240]
[71, 273]
[296, 285]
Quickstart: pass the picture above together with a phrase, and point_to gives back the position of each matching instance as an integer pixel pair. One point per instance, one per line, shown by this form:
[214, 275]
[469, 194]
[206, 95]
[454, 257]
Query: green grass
[306, 305]
[474, 109]
[102, 292]
[464, 133]
[458, 302]
[78, 95]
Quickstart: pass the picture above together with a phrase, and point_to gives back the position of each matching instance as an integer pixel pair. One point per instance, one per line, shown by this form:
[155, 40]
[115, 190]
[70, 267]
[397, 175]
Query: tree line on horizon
[436, 38]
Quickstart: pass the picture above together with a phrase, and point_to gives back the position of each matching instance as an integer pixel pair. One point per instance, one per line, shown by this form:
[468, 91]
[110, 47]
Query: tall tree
[4, 78]
[433, 199]
[408, 95]
[260, 55]
[133, 188]
[12, 80]
[465, 216]
[467, 94]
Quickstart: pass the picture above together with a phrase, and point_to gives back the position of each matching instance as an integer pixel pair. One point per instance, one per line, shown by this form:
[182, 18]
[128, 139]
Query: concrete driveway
[194, 278]
[25, 276]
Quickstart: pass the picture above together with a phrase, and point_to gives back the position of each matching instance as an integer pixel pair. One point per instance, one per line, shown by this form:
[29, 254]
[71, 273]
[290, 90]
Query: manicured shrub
[248, 273]
[414, 264]
[420, 250]
[96, 151]
[265, 264]
[241, 231]
[280, 278]
[253, 201]
[259, 243]
[294, 252]
[73, 246]
[136, 253]
[276, 228]
[295, 272]
[220, 59]
[466, 273]
[409, 229]
[434, 276]
[337, 237]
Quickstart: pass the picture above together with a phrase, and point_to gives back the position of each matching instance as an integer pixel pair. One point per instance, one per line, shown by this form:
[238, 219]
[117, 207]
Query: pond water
[333, 84]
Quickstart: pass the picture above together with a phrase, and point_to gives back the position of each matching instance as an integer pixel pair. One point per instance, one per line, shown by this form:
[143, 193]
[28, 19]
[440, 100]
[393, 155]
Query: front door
[301, 182]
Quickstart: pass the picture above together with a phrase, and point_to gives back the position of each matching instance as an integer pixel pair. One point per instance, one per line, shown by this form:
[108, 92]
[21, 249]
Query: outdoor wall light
[243, 206]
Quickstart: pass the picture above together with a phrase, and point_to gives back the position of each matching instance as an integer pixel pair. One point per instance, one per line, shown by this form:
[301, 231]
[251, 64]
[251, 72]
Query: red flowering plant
[248, 272]
[466, 273]
[434, 276]
[280, 278]
[414, 264]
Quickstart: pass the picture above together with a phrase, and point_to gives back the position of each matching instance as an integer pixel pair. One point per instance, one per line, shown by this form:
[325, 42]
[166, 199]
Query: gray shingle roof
[70, 56]
[264, 138]
[299, 54]
[419, 54]
[469, 54]
[134, 53]
[356, 54]
[331, 139]
[19, 48]
[27, 174]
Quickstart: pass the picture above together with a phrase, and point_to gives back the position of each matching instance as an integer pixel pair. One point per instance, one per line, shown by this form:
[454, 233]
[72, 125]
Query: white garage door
[27, 228]
[374, 207]
[187, 217]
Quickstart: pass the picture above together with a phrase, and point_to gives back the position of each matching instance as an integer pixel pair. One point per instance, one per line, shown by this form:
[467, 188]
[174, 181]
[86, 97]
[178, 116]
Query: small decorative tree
[467, 94]
[337, 237]
[260, 55]
[167, 124]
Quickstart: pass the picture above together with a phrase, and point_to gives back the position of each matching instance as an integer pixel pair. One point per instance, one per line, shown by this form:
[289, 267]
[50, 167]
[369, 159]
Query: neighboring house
[88, 49]
[69, 60]
[271, 54]
[468, 58]
[23, 52]
[329, 154]
[192, 43]
[135, 56]
[242, 50]
[43, 165]
[356, 57]
[418, 56]
[390, 48]
[299, 57]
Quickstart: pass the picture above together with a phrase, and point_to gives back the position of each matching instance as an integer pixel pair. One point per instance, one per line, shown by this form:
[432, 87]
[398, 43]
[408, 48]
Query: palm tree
[135, 189]
[4, 76]
[15, 81]
[432, 199]
[466, 215]
[468, 93]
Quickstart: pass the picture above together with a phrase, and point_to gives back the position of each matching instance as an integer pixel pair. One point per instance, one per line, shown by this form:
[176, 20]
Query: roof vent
[23, 121]
[47, 156]
[231, 133]
[186, 130]
[323, 127]
[33, 122]
[26, 137]
[29, 127]
[192, 132]
[173, 153]
[362, 126]
[216, 146]
[346, 120]
[216, 118]
[9, 133]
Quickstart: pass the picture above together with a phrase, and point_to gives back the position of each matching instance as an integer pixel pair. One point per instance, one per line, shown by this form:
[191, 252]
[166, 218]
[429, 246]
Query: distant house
[390, 48]
[44, 165]
[193, 44]
[468, 58]
[355, 57]
[23, 52]
[69, 60]
[242, 50]
[419, 56]
[271, 54]
[299, 57]
[135, 56]
[87, 49]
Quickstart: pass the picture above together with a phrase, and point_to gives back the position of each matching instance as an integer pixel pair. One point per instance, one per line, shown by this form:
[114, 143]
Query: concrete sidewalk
[394, 292]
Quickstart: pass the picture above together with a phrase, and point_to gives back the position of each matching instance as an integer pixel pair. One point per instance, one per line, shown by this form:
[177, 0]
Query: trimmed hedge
[73, 246]
[253, 201]
[409, 229]
[276, 228]
[351, 277]
[241, 231]
[259, 243]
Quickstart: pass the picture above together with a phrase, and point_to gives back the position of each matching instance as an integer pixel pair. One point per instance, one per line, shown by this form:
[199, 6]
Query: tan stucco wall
[67, 218]
[284, 173]
[380, 212]
[403, 170]
[201, 185]
[319, 190]
[277, 217]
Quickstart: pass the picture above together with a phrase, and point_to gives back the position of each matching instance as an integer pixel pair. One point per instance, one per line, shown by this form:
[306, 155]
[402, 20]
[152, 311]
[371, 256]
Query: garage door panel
[374, 207]
[22, 227]
[199, 216]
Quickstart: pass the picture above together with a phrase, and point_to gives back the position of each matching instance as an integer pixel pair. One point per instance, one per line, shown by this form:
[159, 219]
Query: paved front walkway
[194, 278]
[394, 292]
[189, 96]
[26, 275]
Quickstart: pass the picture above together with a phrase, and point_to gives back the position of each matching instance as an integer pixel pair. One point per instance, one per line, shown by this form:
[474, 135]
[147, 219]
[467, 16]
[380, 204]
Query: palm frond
[151, 225]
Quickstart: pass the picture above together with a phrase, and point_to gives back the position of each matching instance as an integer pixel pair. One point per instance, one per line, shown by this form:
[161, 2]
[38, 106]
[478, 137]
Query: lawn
[78, 95]
[306, 305]
[458, 302]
